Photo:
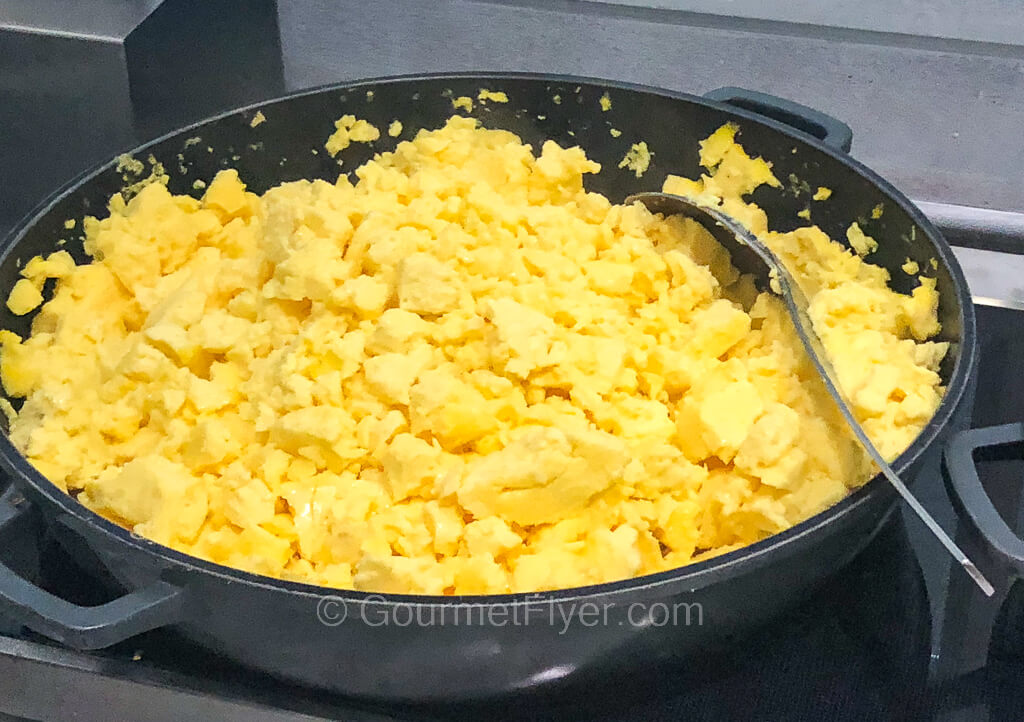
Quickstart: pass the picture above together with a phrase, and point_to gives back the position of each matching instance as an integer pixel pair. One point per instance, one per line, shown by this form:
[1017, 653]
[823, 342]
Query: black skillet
[407, 647]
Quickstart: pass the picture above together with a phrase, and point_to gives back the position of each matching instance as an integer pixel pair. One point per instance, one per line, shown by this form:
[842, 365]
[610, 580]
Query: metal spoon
[750, 255]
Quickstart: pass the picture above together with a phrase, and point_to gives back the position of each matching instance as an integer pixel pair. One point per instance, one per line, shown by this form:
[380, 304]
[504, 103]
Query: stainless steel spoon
[750, 255]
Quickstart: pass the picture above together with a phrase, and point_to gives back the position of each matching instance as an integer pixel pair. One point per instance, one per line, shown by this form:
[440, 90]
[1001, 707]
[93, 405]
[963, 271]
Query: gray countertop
[935, 95]
[996, 21]
[101, 20]
[938, 116]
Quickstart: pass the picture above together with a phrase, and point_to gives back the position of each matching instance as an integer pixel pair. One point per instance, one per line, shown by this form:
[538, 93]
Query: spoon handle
[797, 304]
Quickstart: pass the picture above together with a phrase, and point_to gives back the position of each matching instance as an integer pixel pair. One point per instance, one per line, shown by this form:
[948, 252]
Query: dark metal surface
[965, 450]
[83, 81]
[977, 227]
[194, 58]
[55, 88]
[968, 623]
[40, 682]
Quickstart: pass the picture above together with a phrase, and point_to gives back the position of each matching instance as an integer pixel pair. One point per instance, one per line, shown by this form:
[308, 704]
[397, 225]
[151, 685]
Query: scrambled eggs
[348, 130]
[637, 158]
[462, 373]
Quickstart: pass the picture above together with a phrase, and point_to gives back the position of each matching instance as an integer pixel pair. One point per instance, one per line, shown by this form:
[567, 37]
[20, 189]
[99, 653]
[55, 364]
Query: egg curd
[461, 374]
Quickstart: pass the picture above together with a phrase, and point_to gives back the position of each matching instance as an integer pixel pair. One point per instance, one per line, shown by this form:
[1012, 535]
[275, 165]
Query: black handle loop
[156, 605]
[831, 131]
[969, 497]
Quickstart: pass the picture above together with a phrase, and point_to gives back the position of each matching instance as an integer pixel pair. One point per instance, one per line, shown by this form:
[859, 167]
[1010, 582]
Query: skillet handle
[969, 497]
[156, 605]
[831, 131]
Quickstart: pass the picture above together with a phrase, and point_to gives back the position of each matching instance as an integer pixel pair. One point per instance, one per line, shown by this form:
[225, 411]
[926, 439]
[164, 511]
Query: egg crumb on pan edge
[462, 374]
